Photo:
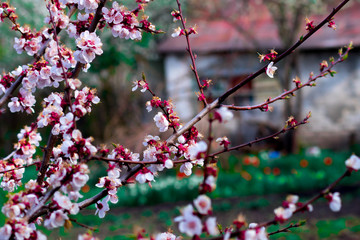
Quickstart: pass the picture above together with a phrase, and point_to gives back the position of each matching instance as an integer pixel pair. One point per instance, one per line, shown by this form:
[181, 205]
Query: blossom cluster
[124, 23]
[24, 149]
[163, 121]
[190, 221]
[64, 171]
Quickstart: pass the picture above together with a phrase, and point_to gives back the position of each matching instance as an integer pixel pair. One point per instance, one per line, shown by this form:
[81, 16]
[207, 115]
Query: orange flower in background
[255, 161]
[246, 175]
[293, 171]
[328, 161]
[267, 170]
[276, 171]
[247, 160]
[180, 175]
[199, 172]
[304, 163]
[85, 188]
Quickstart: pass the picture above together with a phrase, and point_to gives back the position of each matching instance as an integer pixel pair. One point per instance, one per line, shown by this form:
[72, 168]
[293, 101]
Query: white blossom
[353, 162]
[270, 70]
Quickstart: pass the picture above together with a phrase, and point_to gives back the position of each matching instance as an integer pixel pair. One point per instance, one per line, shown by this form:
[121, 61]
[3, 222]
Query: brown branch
[46, 158]
[325, 191]
[299, 224]
[37, 57]
[291, 92]
[92, 28]
[248, 144]
[192, 57]
[118, 160]
[208, 107]
[222, 98]
[193, 121]
[283, 55]
[39, 209]
[52, 139]
[17, 168]
[299, 209]
[83, 225]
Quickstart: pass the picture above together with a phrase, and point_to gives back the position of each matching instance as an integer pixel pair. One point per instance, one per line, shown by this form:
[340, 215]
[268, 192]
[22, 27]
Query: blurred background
[231, 34]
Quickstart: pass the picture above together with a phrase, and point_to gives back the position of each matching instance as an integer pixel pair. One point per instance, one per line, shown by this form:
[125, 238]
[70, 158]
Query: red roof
[221, 35]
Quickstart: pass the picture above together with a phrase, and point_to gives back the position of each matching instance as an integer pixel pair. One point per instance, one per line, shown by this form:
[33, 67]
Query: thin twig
[17, 168]
[37, 57]
[83, 225]
[192, 57]
[300, 209]
[248, 144]
[285, 54]
[286, 229]
[52, 138]
[222, 98]
[291, 92]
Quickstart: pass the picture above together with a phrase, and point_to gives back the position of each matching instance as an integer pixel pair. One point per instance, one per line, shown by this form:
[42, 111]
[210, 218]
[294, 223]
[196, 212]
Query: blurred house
[227, 55]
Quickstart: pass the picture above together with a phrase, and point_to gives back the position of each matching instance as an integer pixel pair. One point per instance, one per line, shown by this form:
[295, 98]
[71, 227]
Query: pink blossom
[283, 214]
[89, 45]
[197, 150]
[270, 70]
[353, 162]
[19, 45]
[15, 105]
[223, 114]
[87, 236]
[191, 225]
[165, 236]
[186, 168]
[203, 204]
[56, 219]
[79, 180]
[144, 176]
[211, 226]
[5, 232]
[22, 230]
[88, 5]
[211, 182]
[161, 122]
[178, 32]
[102, 207]
[334, 201]
[62, 200]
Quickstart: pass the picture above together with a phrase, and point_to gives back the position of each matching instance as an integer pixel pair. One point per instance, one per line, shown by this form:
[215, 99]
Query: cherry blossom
[178, 32]
[203, 204]
[65, 156]
[161, 122]
[283, 214]
[5, 232]
[56, 219]
[165, 236]
[353, 162]
[145, 175]
[102, 207]
[270, 70]
[87, 236]
[334, 201]
[191, 225]
[223, 114]
[211, 226]
[89, 45]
